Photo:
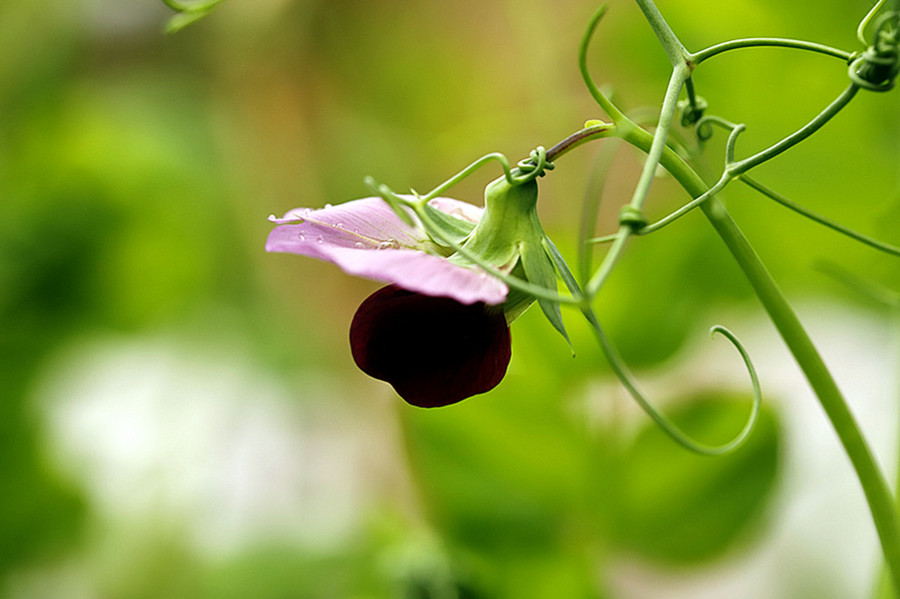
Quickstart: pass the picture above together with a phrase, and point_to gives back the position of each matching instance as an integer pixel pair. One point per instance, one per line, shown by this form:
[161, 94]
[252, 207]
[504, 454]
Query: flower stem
[760, 42]
[878, 494]
[657, 147]
[673, 46]
[876, 489]
[793, 139]
[777, 197]
[883, 588]
[593, 130]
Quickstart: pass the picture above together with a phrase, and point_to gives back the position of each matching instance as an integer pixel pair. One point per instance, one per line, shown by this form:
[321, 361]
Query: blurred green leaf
[679, 507]
[498, 475]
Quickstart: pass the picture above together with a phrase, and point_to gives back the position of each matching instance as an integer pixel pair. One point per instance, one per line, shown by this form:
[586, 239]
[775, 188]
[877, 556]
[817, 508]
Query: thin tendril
[730, 143]
[670, 428]
[679, 75]
[603, 239]
[773, 195]
[592, 130]
[800, 134]
[861, 30]
[770, 42]
[608, 107]
[624, 374]
[529, 168]
[504, 163]
[695, 203]
[657, 147]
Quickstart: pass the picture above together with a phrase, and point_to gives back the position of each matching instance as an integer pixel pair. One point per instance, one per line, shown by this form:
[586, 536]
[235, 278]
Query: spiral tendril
[876, 68]
[532, 167]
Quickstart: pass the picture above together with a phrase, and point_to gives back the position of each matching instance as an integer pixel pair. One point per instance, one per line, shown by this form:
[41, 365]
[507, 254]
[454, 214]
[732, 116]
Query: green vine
[873, 69]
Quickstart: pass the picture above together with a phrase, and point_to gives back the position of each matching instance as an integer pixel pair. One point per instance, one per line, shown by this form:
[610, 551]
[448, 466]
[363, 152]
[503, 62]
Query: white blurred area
[199, 439]
[193, 443]
[818, 540]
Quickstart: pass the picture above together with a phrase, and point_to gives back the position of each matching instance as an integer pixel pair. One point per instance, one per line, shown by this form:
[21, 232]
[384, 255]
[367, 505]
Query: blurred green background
[179, 412]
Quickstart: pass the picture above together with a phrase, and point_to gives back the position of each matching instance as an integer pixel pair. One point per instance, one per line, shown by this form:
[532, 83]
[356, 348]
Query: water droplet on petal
[390, 244]
[327, 206]
[302, 236]
[339, 225]
[359, 245]
[320, 239]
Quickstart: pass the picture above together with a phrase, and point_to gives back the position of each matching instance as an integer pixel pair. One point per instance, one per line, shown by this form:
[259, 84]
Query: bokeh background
[179, 412]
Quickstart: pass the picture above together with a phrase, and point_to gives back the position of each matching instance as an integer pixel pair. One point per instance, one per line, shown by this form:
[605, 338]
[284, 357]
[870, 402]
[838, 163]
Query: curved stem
[777, 197]
[657, 147]
[673, 46]
[609, 261]
[875, 487]
[871, 478]
[761, 42]
[861, 30]
[624, 375]
[811, 127]
[669, 427]
[695, 203]
[608, 107]
[497, 156]
[679, 75]
[592, 130]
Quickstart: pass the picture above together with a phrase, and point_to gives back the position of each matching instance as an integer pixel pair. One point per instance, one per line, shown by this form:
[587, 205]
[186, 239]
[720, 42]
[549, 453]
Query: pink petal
[373, 223]
[367, 239]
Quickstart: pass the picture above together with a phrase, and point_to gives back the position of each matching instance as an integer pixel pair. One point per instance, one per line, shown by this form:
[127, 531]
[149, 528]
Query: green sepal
[505, 226]
[561, 267]
[539, 271]
[518, 301]
[454, 229]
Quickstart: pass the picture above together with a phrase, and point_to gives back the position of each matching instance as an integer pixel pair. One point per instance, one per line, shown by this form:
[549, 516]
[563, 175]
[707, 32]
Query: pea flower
[439, 332]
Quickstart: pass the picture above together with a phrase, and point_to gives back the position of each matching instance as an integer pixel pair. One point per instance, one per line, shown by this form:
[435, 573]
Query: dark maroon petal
[435, 351]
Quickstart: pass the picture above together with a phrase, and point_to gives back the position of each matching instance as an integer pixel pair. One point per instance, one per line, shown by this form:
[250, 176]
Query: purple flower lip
[366, 238]
[434, 351]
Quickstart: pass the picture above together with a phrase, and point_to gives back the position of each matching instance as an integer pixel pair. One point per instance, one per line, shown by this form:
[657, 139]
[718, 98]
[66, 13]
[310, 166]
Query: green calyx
[510, 237]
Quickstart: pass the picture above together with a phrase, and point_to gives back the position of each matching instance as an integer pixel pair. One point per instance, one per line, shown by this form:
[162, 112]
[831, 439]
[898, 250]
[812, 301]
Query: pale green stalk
[875, 487]
[878, 495]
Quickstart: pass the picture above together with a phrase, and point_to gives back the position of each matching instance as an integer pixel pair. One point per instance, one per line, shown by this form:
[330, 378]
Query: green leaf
[675, 506]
